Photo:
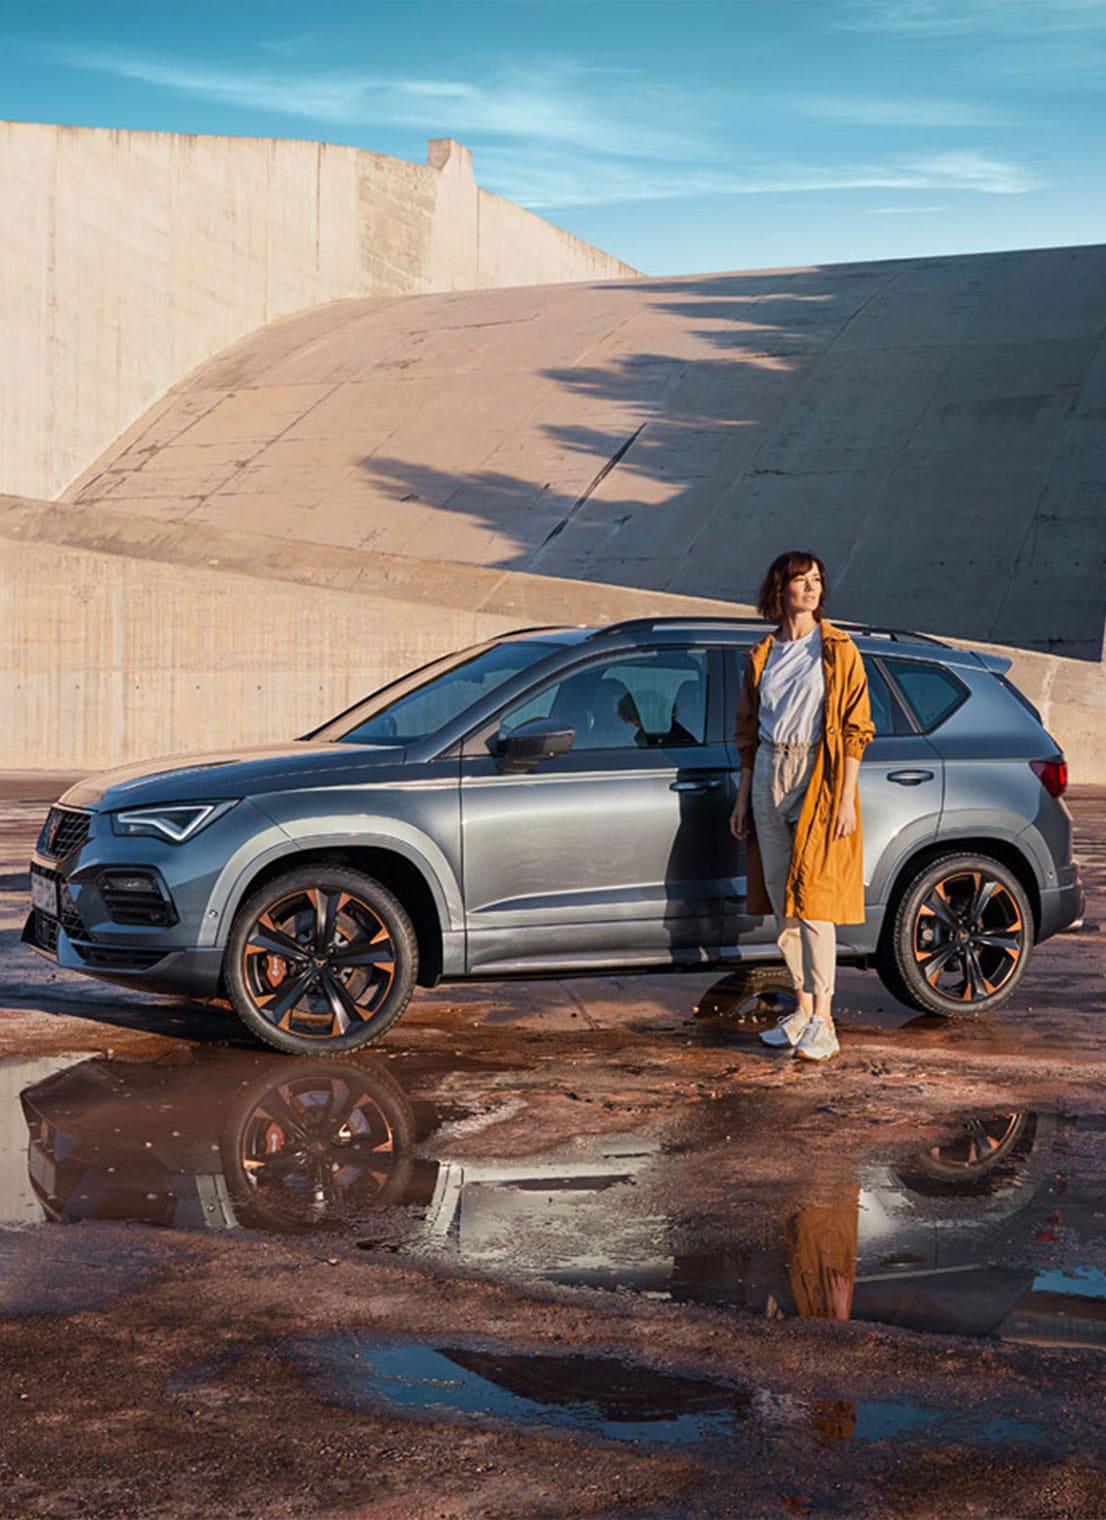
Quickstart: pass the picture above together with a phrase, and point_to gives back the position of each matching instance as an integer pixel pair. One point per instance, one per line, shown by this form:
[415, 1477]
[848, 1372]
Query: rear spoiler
[996, 663]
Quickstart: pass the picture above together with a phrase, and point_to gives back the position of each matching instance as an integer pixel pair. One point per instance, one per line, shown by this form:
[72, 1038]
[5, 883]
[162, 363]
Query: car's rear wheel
[320, 960]
[959, 940]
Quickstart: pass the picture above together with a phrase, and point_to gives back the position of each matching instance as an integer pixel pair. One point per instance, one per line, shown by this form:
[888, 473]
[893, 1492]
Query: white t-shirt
[792, 690]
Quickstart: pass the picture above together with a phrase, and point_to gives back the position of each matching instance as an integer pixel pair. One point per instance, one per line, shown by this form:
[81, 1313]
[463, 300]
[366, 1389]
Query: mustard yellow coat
[826, 879]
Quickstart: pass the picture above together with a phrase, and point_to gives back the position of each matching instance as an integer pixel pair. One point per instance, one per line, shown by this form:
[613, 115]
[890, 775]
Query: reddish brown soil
[96, 1421]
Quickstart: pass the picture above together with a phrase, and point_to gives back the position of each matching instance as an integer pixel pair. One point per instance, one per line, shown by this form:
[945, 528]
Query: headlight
[176, 821]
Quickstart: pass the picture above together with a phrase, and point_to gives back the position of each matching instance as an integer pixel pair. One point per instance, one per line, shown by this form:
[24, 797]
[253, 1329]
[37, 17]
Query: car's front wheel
[959, 940]
[321, 959]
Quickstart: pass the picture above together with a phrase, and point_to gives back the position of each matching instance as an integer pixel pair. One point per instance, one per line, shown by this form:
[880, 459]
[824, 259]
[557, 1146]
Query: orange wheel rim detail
[317, 963]
[969, 937]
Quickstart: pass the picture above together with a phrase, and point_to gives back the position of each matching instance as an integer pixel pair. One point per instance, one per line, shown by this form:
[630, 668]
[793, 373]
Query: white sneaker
[819, 1041]
[787, 1031]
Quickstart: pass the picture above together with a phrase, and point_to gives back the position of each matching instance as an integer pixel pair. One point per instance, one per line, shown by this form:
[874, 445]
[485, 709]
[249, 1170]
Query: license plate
[44, 894]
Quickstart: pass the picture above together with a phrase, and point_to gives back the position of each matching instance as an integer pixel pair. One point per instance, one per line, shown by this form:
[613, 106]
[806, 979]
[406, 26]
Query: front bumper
[189, 971]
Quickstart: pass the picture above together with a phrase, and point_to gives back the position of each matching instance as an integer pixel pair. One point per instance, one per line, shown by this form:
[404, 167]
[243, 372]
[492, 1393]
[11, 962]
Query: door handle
[909, 778]
[710, 785]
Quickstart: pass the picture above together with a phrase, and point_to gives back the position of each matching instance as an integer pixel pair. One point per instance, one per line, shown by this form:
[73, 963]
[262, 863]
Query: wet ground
[554, 1249]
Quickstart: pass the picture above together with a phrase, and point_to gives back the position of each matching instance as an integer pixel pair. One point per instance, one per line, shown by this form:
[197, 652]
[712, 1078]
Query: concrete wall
[128, 258]
[159, 642]
[164, 638]
[931, 428]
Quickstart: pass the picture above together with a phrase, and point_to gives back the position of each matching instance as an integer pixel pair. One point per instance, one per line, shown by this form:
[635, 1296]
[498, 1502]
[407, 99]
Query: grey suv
[553, 801]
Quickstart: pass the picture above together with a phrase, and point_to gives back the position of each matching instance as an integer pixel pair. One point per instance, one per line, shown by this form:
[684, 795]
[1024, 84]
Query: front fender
[307, 835]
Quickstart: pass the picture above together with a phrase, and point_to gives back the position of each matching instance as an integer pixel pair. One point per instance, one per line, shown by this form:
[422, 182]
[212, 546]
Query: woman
[802, 726]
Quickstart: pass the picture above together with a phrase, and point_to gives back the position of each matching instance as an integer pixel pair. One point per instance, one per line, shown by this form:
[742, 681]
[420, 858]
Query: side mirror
[535, 740]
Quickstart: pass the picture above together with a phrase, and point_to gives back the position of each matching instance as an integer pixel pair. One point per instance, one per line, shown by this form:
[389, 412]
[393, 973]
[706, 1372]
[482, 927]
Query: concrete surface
[474, 461]
[127, 258]
[164, 640]
[932, 427]
[175, 636]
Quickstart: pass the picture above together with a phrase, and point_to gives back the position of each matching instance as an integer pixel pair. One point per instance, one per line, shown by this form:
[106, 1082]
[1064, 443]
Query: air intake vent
[136, 897]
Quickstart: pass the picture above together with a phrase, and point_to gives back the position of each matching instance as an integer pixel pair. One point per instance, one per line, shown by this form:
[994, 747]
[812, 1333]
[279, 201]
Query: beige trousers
[780, 777]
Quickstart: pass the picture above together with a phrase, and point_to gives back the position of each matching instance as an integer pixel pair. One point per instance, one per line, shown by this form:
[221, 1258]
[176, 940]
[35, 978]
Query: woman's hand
[845, 822]
[739, 818]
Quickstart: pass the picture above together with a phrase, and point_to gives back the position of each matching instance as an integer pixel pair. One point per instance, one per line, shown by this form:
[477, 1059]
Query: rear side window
[931, 692]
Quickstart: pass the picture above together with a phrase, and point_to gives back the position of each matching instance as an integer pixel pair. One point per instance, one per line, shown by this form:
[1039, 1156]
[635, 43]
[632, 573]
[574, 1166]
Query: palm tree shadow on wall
[779, 415]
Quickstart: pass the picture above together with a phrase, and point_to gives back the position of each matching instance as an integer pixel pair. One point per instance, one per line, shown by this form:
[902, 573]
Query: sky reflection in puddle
[609, 1397]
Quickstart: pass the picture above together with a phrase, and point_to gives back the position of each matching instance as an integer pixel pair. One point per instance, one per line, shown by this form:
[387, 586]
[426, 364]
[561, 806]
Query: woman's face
[803, 592]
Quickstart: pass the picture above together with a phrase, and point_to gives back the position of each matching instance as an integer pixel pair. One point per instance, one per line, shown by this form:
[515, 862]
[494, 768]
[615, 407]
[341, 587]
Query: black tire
[958, 941]
[321, 961]
[317, 1145]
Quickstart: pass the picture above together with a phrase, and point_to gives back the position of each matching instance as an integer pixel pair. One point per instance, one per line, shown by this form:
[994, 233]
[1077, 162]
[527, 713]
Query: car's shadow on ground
[173, 1018]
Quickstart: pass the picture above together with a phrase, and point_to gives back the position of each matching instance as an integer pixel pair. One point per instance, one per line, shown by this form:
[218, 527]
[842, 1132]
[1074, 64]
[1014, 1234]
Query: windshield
[429, 699]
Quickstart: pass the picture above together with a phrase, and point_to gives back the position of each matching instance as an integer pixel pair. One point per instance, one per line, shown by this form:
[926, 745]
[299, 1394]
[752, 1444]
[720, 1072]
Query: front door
[615, 852]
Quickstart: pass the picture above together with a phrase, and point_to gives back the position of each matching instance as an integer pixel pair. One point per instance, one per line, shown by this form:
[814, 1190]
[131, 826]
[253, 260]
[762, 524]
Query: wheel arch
[394, 870]
[1005, 851]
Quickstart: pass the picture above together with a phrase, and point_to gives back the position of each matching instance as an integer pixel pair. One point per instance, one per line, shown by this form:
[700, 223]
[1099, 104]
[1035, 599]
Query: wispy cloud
[546, 182]
[556, 103]
[552, 139]
[965, 18]
[896, 111]
[904, 210]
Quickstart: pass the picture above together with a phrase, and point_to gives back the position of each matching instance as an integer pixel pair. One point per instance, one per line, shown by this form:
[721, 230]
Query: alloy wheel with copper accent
[960, 939]
[320, 960]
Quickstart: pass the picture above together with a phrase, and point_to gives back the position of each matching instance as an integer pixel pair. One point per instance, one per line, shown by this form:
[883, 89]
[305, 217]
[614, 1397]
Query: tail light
[1053, 774]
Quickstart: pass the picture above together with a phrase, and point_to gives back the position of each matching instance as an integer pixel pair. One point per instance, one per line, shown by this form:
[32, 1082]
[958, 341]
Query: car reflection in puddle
[963, 1237]
[224, 1141]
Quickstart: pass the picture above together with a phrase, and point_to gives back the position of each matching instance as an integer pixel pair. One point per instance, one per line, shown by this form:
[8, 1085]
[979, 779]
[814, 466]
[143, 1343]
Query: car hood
[228, 773]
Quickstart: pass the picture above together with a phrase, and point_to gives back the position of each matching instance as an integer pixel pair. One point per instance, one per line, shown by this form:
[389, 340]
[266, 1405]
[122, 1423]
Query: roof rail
[900, 635]
[643, 624]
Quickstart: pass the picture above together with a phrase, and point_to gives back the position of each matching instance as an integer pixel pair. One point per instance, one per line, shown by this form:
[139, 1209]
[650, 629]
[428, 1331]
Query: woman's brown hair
[784, 568]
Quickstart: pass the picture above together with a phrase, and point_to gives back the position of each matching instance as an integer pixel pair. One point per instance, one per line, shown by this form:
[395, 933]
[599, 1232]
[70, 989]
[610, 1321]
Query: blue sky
[681, 135]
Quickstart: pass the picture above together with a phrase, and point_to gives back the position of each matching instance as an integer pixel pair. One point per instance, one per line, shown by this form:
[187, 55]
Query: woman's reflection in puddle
[821, 1256]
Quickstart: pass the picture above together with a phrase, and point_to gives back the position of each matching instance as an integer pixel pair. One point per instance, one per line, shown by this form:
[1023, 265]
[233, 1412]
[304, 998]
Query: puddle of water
[995, 1232]
[607, 1397]
[18, 1202]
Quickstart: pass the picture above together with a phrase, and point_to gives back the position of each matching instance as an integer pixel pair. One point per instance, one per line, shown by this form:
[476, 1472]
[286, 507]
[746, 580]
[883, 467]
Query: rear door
[902, 780]
[901, 788]
[615, 852]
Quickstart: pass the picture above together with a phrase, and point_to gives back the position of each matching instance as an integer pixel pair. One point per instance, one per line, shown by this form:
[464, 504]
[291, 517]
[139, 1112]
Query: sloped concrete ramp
[933, 428]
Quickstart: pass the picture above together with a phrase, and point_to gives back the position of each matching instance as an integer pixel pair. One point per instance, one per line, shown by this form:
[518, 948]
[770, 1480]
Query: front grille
[65, 831]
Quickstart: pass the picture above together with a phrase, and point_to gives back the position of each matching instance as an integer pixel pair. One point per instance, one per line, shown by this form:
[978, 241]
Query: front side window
[420, 708]
[654, 700]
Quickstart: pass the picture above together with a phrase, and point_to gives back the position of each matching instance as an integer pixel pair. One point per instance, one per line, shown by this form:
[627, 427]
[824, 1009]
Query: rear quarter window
[932, 693]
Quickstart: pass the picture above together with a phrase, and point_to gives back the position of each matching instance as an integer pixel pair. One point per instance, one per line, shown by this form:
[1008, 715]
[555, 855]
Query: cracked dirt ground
[554, 1249]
